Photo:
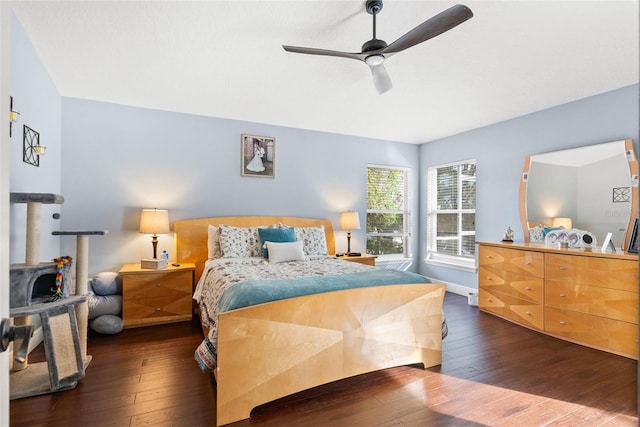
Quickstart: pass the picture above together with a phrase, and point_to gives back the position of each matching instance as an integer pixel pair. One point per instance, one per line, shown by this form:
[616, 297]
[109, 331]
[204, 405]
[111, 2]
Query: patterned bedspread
[225, 283]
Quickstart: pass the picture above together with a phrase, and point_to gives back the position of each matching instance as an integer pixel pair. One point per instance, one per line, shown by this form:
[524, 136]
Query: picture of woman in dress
[256, 165]
[258, 156]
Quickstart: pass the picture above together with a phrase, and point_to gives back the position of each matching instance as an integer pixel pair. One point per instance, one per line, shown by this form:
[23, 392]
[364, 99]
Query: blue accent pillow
[549, 229]
[276, 235]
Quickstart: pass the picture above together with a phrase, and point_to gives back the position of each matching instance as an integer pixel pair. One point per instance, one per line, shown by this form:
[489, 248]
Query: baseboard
[454, 288]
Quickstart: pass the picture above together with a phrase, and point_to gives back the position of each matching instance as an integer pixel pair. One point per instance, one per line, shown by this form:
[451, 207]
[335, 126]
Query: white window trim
[434, 258]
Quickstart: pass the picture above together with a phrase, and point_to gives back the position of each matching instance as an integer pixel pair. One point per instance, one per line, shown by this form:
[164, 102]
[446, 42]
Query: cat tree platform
[64, 365]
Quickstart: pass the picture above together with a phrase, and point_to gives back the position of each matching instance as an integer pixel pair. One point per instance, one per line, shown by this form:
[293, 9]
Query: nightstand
[153, 297]
[362, 259]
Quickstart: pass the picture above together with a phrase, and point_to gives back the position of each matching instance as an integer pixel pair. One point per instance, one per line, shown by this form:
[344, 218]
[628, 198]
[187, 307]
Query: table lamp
[349, 221]
[154, 221]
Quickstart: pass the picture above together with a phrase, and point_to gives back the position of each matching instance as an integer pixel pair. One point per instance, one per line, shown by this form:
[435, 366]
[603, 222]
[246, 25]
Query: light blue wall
[37, 99]
[500, 151]
[109, 161]
[119, 159]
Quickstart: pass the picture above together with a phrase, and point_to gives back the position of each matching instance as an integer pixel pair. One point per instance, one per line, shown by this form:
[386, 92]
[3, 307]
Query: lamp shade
[154, 221]
[349, 221]
[563, 222]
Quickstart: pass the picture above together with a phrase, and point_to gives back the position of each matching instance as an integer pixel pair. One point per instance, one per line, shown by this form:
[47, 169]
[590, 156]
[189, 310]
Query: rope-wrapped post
[34, 203]
[34, 215]
[82, 280]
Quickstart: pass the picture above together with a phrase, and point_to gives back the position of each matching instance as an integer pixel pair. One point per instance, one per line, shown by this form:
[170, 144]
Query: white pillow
[288, 251]
[213, 243]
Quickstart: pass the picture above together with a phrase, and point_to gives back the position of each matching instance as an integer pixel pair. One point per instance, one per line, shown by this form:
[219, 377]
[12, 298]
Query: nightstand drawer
[156, 285]
[151, 311]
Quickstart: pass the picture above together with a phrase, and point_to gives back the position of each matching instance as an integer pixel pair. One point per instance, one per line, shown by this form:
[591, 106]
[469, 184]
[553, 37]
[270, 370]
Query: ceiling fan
[375, 51]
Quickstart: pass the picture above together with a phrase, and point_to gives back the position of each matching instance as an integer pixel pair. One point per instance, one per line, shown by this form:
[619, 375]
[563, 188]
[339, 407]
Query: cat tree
[64, 320]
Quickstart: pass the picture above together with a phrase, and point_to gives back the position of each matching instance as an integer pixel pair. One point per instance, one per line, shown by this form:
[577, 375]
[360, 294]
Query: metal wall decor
[621, 194]
[30, 140]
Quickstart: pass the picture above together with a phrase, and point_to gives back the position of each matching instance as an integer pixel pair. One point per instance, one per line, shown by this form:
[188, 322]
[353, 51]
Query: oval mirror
[592, 188]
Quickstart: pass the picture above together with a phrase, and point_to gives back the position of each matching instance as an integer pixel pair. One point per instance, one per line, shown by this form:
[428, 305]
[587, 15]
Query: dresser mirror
[592, 188]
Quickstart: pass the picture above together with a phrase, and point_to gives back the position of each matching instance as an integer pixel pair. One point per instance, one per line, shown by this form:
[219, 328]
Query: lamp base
[154, 264]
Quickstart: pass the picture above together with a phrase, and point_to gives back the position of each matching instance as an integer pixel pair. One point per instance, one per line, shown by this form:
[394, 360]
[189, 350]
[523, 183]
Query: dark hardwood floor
[493, 373]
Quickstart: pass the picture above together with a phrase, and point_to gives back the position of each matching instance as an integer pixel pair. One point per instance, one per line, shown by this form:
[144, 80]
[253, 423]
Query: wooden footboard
[272, 350]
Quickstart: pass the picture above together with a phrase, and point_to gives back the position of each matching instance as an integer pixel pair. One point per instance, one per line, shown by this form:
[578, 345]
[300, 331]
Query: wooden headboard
[192, 234]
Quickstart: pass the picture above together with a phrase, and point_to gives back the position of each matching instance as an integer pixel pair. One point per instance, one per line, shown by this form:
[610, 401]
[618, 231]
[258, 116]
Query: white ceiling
[225, 59]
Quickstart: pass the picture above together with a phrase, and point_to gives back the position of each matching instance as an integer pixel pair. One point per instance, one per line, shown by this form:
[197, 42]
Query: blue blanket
[254, 292]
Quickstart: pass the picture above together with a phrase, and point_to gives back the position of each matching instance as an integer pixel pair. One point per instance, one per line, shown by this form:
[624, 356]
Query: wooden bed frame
[272, 350]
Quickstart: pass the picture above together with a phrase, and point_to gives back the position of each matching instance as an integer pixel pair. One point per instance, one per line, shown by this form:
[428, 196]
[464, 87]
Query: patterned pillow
[536, 234]
[313, 238]
[213, 242]
[239, 242]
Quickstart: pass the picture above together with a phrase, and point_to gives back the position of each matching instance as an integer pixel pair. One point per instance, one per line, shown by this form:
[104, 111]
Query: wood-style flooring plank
[493, 373]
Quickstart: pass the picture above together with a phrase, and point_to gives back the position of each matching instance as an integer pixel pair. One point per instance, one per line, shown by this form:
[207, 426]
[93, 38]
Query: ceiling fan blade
[381, 79]
[444, 21]
[325, 52]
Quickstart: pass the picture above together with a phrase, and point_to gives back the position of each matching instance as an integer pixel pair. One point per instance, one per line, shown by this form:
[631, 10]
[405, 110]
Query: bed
[271, 349]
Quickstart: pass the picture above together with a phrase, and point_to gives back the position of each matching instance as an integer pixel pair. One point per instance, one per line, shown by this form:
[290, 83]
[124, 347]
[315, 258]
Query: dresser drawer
[157, 285]
[518, 310]
[593, 271]
[594, 331]
[518, 285]
[513, 260]
[604, 302]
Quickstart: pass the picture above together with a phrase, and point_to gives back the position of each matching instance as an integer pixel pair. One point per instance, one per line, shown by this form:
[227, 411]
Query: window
[451, 215]
[388, 213]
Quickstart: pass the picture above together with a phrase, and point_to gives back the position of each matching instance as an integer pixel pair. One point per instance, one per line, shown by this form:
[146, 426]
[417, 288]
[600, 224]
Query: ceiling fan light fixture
[374, 60]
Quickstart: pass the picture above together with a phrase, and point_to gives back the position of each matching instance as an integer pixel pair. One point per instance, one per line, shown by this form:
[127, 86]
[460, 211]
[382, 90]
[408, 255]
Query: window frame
[433, 256]
[406, 215]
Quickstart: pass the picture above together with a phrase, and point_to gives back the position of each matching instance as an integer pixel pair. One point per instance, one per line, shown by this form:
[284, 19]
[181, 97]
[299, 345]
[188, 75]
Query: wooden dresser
[153, 297]
[589, 298]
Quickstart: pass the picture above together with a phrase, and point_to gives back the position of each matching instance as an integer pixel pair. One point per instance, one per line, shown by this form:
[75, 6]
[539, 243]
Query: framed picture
[633, 242]
[258, 156]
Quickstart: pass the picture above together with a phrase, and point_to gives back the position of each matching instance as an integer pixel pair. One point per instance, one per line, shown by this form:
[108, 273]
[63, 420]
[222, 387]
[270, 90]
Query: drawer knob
[158, 309]
[489, 279]
[562, 295]
[489, 299]
[158, 285]
[527, 263]
[562, 322]
[527, 288]
[528, 313]
[563, 268]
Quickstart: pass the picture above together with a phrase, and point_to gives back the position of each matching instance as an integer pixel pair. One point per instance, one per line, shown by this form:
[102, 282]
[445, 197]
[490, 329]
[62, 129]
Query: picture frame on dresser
[258, 156]
[633, 241]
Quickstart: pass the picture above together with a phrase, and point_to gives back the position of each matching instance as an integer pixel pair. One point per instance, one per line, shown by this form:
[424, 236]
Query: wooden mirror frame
[633, 173]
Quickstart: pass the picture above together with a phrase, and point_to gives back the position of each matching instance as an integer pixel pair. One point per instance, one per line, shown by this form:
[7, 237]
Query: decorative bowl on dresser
[586, 297]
